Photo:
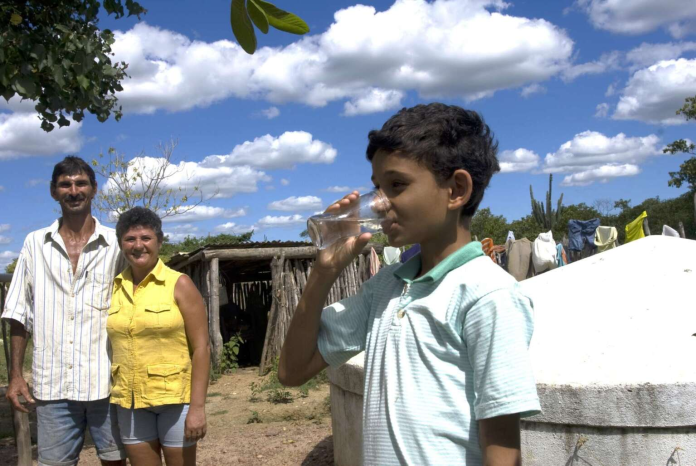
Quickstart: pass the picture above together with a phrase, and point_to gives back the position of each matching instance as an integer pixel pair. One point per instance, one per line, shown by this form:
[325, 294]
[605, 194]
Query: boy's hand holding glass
[343, 230]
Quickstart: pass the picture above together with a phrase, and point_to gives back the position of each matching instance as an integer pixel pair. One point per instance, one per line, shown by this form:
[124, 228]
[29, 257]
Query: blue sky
[586, 90]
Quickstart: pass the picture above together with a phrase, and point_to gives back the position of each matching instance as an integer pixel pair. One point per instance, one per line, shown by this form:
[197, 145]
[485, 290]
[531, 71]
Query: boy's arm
[499, 438]
[300, 359]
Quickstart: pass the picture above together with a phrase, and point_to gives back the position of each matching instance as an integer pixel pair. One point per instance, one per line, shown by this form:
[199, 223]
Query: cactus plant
[546, 218]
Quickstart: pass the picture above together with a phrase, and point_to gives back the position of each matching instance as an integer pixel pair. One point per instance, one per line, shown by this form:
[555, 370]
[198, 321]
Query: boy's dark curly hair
[443, 138]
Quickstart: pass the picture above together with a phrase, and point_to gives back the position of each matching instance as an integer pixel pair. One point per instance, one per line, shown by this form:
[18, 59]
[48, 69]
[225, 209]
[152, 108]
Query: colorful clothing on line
[561, 258]
[606, 238]
[581, 232]
[66, 312]
[519, 259]
[669, 231]
[634, 230]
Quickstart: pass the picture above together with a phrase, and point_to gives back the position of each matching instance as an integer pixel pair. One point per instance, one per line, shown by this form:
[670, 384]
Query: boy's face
[419, 206]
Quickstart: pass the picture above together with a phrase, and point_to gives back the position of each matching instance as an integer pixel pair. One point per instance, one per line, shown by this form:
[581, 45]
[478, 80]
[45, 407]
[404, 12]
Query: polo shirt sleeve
[19, 303]
[497, 330]
[343, 326]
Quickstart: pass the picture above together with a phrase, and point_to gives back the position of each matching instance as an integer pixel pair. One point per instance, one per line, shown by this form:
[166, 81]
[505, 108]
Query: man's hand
[18, 386]
[500, 440]
[195, 426]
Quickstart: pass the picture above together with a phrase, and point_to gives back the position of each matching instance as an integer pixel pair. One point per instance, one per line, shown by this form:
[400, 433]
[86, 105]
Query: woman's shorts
[165, 423]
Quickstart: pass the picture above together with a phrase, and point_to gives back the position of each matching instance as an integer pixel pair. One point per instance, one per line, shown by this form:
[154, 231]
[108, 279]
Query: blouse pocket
[158, 315]
[164, 381]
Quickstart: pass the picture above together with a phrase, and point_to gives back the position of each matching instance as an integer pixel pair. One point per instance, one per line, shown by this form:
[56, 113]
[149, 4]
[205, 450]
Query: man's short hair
[443, 138]
[72, 165]
[138, 217]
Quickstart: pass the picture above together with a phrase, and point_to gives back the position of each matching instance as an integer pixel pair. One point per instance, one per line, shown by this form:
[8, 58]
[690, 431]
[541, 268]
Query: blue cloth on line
[581, 231]
[410, 252]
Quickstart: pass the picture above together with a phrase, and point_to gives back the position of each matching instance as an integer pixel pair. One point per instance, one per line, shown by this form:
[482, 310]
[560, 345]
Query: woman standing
[158, 330]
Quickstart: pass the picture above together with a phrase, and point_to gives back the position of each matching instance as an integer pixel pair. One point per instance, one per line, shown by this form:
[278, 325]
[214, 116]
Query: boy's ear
[461, 188]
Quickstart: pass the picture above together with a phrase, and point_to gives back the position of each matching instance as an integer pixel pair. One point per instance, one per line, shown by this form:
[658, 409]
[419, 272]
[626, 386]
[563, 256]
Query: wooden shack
[253, 289]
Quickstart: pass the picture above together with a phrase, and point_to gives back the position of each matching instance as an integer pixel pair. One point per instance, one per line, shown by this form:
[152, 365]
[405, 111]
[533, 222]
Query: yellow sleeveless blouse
[151, 360]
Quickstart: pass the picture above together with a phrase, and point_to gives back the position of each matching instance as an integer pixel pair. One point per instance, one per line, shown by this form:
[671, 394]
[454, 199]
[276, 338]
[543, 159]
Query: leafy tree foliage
[53, 54]
[687, 170]
[10, 268]
[486, 225]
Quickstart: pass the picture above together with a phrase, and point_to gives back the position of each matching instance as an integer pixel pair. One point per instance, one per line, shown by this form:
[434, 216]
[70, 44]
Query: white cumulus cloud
[591, 149]
[654, 94]
[5, 239]
[268, 152]
[608, 61]
[535, 88]
[648, 54]
[520, 160]
[270, 221]
[232, 228]
[295, 203]
[284, 181]
[602, 110]
[641, 16]
[373, 101]
[21, 136]
[347, 189]
[271, 112]
[366, 58]
[179, 233]
[201, 212]
[4, 227]
[600, 174]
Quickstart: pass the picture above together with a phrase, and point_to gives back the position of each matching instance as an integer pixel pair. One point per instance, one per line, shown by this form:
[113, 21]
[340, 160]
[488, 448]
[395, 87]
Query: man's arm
[499, 438]
[18, 386]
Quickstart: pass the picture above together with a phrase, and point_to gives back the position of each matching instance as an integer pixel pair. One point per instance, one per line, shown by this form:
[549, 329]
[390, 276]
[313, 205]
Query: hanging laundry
[634, 230]
[581, 232]
[487, 246]
[374, 262]
[410, 252]
[561, 258]
[544, 252]
[606, 238]
[510, 236]
[519, 259]
[391, 255]
[669, 231]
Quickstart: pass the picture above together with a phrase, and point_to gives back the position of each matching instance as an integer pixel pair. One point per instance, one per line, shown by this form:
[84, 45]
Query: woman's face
[141, 247]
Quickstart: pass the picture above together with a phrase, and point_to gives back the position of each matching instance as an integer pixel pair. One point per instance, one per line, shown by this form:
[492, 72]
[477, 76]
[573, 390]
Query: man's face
[74, 193]
[418, 204]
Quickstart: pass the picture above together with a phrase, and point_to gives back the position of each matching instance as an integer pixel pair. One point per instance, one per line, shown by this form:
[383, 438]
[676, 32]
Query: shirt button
[401, 313]
[70, 342]
[69, 366]
[72, 317]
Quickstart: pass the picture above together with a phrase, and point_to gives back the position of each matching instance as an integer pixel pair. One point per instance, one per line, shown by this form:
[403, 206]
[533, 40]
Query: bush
[230, 353]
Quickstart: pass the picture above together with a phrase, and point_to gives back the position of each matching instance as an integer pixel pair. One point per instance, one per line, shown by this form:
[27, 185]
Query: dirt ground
[240, 431]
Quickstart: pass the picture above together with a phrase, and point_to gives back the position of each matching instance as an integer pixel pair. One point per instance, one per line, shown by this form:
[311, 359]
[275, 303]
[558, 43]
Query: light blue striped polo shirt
[441, 352]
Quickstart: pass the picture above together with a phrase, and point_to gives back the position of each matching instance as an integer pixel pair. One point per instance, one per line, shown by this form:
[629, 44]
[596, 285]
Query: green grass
[219, 413]
[27, 360]
[214, 394]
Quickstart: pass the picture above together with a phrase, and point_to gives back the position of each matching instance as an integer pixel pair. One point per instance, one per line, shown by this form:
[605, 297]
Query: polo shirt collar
[461, 256]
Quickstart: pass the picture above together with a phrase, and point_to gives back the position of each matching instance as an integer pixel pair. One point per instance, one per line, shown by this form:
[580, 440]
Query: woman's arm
[192, 309]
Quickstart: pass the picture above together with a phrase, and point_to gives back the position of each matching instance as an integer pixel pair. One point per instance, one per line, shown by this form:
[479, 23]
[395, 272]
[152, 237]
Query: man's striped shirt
[442, 351]
[66, 312]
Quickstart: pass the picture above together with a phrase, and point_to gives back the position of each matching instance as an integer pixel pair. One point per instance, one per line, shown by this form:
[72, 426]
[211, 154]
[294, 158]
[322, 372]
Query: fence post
[20, 420]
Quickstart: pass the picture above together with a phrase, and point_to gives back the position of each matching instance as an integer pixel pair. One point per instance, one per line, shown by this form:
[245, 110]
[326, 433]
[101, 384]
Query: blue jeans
[61, 431]
[165, 423]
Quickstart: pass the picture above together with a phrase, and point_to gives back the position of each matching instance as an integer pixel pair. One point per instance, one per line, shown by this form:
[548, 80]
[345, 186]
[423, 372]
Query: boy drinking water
[446, 334]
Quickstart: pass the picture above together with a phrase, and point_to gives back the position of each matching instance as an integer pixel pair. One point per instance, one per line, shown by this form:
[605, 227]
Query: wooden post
[646, 227]
[682, 232]
[20, 420]
[215, 336]
[276, 298]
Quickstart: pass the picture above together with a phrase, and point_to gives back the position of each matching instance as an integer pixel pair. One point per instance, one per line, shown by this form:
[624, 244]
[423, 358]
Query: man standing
[60, 294]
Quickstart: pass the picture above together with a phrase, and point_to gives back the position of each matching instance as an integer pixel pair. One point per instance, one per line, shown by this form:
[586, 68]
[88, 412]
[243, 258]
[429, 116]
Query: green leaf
[258, 16]
[58, 75]
[38, 52]
[241, 26]
[25, 86]
[235, 350]
[15, 19]
[283, 20]
[84, 82]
